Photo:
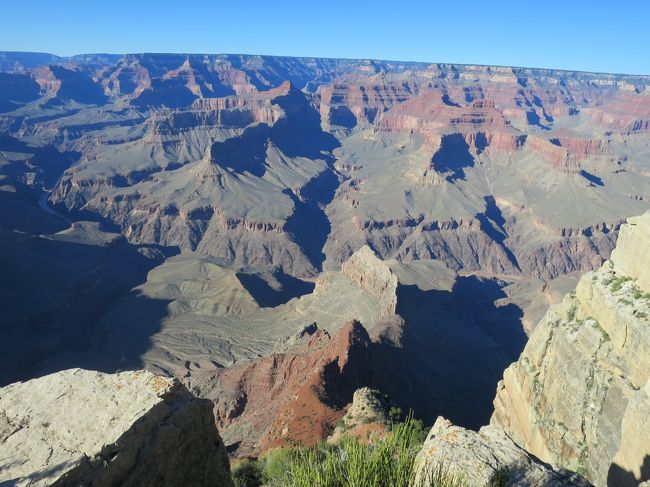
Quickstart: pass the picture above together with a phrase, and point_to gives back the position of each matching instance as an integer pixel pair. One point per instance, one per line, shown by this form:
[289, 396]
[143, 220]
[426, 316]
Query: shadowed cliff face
[452, 157]
[449, 352]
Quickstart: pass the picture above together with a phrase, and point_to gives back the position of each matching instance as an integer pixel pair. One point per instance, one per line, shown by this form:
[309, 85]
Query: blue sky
[611, 36]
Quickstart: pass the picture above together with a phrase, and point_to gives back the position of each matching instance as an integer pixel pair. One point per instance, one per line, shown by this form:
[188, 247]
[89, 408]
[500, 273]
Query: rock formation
[79, 427]
[288, 398]
[483, 459]
[367, 418]
[579, 395]
[368, 272]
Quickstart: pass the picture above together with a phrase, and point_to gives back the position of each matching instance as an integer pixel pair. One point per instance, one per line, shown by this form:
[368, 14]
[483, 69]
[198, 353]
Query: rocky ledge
[80, 427]
[484, 458]
[579, 395]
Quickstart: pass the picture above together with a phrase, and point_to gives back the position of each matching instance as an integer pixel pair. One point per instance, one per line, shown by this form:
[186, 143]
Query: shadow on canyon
[620, 477]
[447, 356]
[453, 157]
[54, 290]
[270, 297]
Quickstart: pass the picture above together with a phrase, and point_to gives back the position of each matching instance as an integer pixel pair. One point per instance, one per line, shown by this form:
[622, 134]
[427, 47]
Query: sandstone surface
[79, 427]
[484, 458]
[579, 395]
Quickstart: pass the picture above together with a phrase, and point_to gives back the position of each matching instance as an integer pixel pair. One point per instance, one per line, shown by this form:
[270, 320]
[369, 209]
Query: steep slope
[288, 398]
[579, 395]
[79, 427]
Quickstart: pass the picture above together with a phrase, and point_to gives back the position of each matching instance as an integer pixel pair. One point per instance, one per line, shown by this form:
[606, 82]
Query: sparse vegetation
[387, 462]
[638, 294]
[616, 284]
[571, 313]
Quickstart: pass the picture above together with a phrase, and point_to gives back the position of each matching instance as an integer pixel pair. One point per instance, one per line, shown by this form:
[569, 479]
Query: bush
[248, 473]
[617, 283]
[387, 462]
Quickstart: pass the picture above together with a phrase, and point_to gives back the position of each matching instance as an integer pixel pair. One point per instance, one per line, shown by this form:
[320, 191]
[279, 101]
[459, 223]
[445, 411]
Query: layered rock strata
[579, 395]
[289, 398]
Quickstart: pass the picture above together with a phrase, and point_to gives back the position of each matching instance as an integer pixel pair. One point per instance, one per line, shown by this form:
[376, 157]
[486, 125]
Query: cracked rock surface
[579, 395]
[79, 427]
[484, 458]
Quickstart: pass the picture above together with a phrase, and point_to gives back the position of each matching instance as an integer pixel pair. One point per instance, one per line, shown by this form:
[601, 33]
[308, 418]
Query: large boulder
[79, 427]
[484, 458]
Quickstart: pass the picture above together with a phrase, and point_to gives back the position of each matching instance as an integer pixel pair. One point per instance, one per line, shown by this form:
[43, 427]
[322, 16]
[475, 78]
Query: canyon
[277, 233]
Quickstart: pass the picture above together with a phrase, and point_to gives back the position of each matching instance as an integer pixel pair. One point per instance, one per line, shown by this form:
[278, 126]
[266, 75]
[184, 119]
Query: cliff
[80, 427]
[579, 395]
[374, 276]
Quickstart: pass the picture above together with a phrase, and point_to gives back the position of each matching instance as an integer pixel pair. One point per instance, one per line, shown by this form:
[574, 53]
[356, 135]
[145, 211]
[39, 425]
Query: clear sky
[597, 35]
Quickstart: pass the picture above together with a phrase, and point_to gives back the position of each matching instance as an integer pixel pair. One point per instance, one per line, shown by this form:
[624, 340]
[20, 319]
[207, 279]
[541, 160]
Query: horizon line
[426, 63]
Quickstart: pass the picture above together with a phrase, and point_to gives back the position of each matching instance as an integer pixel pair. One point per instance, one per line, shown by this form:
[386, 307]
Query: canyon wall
[579, 395]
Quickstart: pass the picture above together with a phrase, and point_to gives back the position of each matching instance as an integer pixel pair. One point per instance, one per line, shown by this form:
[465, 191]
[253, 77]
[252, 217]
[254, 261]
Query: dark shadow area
[593, 179]
[343, 117]
[538, 102]
[77, 86]
[298, 134]
[533, 119]
[453, 156]
[16, 90]
[309, 226]
[171, 93]
[46, 161]
[469, 95]
[125, 78]
[448, 101]
[492, 224]
[52, 295]
[617, 476]
[246, 153]
[501, 323]
[450, 352]
[480, 142]
[269, 296]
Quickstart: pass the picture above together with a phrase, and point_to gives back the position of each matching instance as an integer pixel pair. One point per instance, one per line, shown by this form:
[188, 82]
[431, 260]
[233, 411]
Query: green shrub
[248, 473]
[351, 463]
[617, 283]
[571, 313]
[395, 414]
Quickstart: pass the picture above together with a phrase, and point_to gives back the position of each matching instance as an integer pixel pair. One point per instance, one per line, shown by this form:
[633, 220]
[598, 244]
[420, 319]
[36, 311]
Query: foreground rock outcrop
[579, 395]
[484, 458]
[80, 427]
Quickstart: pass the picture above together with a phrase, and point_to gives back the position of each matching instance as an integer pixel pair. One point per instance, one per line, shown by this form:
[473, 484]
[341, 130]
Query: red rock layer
[294, 397]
